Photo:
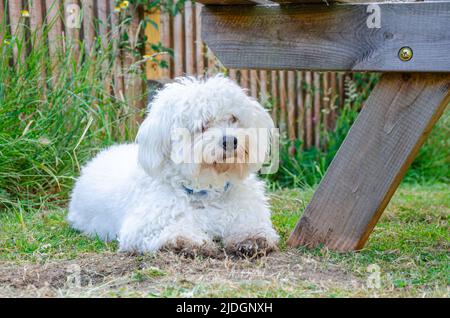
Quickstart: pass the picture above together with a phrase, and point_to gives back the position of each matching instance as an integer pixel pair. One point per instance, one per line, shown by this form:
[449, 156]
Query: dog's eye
[233, 119]
[204, 127]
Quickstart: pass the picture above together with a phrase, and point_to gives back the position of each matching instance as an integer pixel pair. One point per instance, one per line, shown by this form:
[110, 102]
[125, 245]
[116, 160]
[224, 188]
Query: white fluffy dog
[146, 197]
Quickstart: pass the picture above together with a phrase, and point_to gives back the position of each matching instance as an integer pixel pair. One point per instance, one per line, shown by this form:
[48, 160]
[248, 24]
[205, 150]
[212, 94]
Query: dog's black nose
[229, 142]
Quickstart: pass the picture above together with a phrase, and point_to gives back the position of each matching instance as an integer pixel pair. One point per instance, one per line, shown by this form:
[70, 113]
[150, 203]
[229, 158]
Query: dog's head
[203, 129]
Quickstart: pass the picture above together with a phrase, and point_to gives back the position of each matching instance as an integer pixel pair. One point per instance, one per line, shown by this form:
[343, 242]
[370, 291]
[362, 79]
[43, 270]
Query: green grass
[50, 125]
[46, 134]
[410, 245]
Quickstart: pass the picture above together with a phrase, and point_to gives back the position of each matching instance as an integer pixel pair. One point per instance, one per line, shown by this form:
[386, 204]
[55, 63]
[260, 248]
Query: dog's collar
[203, 193]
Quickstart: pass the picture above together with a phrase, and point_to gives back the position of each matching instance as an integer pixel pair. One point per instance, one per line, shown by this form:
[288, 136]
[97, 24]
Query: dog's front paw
[250, 248]
[190, 249]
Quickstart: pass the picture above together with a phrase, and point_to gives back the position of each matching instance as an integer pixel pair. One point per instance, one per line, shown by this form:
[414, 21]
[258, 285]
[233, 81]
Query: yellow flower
[124, 4]
[117, 9]
[25, 13]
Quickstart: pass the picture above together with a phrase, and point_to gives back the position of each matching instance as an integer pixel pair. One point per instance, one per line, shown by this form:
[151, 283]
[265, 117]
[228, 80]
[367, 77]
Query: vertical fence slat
[326, 100]
[211, 60]
[232, 73]
[17, 30]
[178, 45]
[308, 107]
[102, 14]
[166, 42]
[132, 69]
[333, 99]
[274, 93]
[116, 53]
[291, 104]
[36, 27]
[2, 20]
[283, 98]
[199, 46]
[53, 19]
[153, 35]
[317, 109]
[36, 20]
[263, 87]
[72, 30]
[300, 110]
[254, 83]
[189, 36]
[88, 24]
[244, 79]
[341, 84]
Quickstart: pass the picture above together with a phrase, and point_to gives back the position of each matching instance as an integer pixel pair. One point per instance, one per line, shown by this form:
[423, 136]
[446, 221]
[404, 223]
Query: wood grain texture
[291, 105]
[244, 79]
[233, 74]
[283, 99]
[178, 44]
[189, 16]
[254, 83]
[153, 36]
[87, 7]
[72, 33]
[2, 20]
[199, 46]
[211, 62]
[274, 93]
[167, 43]
[308, 110]
[232, 2]
[36, 20]
[341, 84]
[300, 109]
[134, 86]
[102, 14]
[334, 37]
[54, 35]
[103, 27]
[372, 160]
[283, 2]
[53, 19]
[263, 96]
[334, 99]
[116, 51]
[317, 109]
[17, 30]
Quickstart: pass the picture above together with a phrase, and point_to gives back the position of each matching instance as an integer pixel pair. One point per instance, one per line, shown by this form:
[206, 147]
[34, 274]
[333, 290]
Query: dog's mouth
[237, 169]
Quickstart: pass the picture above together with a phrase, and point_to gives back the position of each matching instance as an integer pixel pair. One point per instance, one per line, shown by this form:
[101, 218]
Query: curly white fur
[136, 193]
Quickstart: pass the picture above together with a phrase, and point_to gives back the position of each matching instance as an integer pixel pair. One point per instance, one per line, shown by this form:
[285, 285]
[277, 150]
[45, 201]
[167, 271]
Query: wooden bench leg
[372, 160]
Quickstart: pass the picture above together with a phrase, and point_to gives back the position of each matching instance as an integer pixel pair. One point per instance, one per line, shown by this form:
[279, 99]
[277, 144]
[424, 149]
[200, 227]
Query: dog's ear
[153, 139]
[261, 117]
[263, 121]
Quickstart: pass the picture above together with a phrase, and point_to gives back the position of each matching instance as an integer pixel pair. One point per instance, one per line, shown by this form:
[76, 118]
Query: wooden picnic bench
[408, 41]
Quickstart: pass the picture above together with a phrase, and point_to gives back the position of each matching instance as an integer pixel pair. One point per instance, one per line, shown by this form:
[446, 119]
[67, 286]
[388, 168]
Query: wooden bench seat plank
[338, 37]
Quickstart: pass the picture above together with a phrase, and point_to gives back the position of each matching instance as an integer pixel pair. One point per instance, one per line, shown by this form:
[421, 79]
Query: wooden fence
[302, 104]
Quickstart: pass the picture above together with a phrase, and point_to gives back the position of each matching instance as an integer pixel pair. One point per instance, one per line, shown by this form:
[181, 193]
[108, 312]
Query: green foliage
[49, 125]
[171, 6]
[305, 167]
[432, 163]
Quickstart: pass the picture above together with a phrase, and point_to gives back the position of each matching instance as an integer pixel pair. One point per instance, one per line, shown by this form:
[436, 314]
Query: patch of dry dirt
[117, 273]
